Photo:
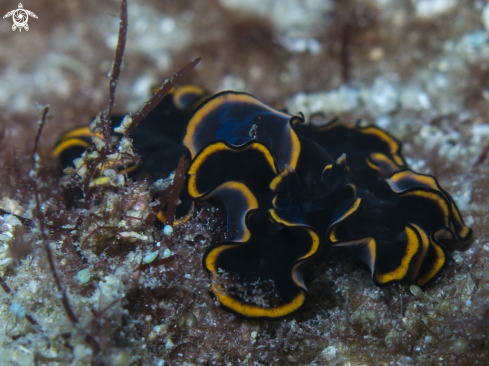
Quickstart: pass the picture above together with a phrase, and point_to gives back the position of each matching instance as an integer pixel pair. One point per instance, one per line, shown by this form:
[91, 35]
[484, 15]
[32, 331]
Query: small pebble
[166, 253]
[33, 286]
[329, 353]
[416, 291]
[169, 344]
[188, 321]
[167, 230]
[6, 262]
[84, 275]
[148, 258]
[18, 309]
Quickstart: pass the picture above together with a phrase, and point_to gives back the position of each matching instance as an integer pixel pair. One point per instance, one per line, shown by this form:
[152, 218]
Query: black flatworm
[290, 187]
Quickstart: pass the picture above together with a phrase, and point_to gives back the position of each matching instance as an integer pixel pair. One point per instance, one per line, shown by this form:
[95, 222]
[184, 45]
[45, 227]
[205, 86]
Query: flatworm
[289, 188]
[349, 185]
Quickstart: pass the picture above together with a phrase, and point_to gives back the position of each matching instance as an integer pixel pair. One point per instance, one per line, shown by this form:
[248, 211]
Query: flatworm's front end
[238, 118]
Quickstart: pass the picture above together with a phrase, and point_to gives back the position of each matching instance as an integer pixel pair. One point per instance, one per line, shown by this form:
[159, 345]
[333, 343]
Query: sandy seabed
[419, 69]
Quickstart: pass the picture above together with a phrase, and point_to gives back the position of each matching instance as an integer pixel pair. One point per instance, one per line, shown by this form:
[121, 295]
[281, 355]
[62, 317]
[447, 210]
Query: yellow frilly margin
[253, 311]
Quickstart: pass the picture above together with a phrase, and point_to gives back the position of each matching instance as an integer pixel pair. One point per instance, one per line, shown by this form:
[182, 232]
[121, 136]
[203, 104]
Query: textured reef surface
[104, 281]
